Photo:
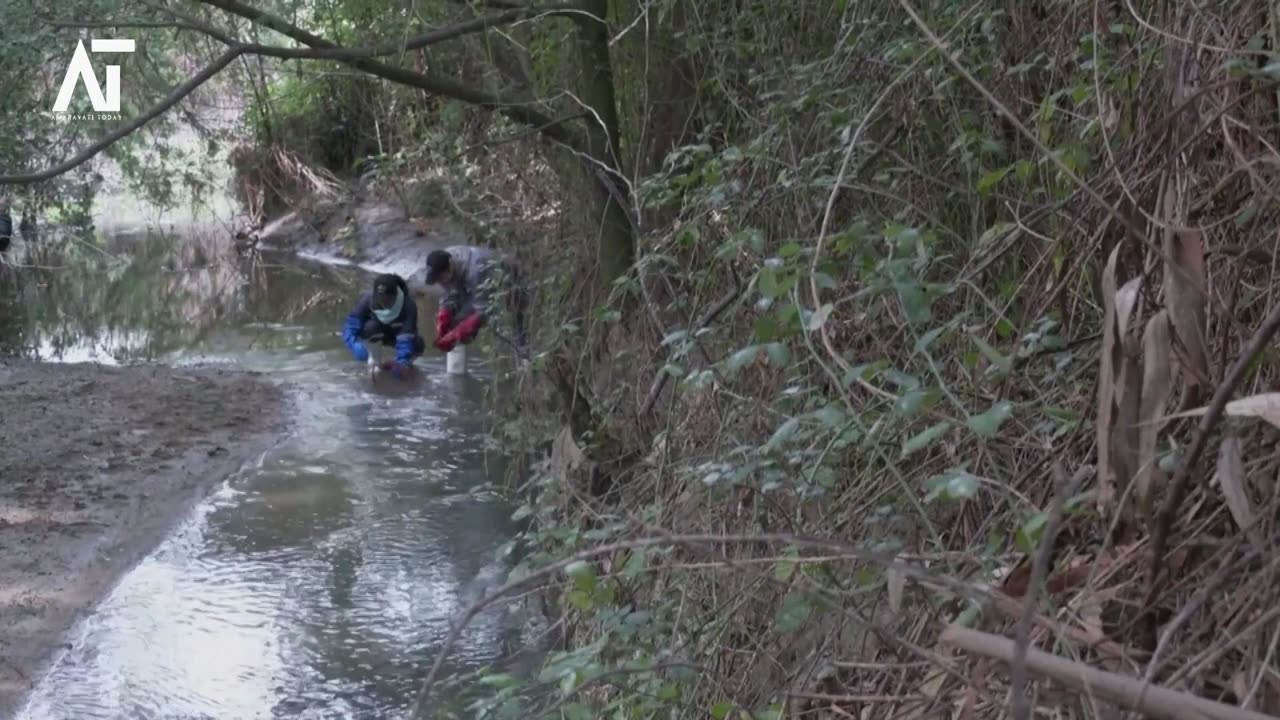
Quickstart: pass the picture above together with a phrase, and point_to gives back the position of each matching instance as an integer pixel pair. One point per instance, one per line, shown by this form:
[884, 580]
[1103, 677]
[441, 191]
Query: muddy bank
[96, 465]
[377, 231]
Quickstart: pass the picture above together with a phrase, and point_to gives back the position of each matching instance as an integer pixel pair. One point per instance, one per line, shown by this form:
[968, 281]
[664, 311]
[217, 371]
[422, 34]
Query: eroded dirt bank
[96, 465]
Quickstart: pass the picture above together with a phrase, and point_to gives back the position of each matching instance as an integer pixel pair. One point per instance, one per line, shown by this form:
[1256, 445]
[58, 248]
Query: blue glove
[359, 351]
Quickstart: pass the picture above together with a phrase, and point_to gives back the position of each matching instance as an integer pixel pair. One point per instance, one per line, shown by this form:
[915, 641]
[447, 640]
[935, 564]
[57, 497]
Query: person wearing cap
[388, 316]
[469, 275]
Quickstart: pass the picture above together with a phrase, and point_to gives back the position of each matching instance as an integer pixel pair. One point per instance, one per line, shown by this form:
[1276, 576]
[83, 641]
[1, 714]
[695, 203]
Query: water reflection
[319, 584]
[145, 296]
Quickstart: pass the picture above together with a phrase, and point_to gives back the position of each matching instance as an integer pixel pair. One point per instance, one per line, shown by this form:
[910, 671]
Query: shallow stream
[321, 581]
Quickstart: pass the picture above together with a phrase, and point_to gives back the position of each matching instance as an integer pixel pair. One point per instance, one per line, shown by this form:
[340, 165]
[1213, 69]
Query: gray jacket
[473, 274]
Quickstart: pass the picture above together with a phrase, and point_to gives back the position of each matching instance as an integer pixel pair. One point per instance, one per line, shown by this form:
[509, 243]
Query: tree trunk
[608, 192]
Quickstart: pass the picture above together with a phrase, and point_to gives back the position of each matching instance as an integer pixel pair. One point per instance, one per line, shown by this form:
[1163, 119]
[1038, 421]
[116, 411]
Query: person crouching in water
[470, 276]
[387, 316]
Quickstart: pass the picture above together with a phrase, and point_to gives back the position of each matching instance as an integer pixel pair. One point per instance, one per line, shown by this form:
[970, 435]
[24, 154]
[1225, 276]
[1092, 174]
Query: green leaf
[779, 353]
[901, 379]
[969, 616]
[569, 681]
[634, 564]
[581, 600]
[952, 485]
[768, 284]
[793, 613]
[925, 439]
[924, 341]
[995, 232]
[832, 416]
[915, 302]
[675, 337]
[992, 179]
[819, 318]
[782, 434]
[1002, 362]
[865, 372]
[753, 238]
[583, 574]
[721, 710]
[766, 329]
[500, 680]
[578, 711]
[742, 358]
[784, 569]
[988, 423]
[1028, 536]
[914, 401]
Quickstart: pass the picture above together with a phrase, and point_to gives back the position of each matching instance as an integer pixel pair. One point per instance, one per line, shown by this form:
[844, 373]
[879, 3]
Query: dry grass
[1146, 234]
[953, 299]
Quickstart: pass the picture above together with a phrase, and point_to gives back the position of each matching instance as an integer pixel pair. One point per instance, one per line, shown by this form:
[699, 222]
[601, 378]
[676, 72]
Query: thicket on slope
[943, 284]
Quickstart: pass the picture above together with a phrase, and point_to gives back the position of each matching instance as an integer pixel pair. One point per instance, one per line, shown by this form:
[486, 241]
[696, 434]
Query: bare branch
[330, 51]
[139, 24]
[655, 391]
[1132, 693]
[1039, 571]
[173, 98]
[1182, 477]
[520, 112]
[661, 539]
[469, 27]
[319, 48]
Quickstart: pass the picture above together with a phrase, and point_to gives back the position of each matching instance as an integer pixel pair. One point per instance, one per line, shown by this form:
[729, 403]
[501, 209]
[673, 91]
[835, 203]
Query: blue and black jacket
[363, 325]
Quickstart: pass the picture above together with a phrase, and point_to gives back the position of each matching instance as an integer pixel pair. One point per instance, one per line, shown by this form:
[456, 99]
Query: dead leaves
[1231, 479]
[1230, 475]
[1106, 385]
[1185, 298]
[1138, 377]
[1157, 385]
[566, 456]
[1135, 384]
[1264, 406]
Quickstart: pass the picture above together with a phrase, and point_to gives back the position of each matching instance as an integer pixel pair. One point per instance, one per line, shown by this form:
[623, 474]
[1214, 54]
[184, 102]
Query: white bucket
[455, 361]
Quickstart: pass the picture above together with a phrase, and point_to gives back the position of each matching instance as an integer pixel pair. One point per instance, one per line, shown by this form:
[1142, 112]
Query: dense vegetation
[861, 323]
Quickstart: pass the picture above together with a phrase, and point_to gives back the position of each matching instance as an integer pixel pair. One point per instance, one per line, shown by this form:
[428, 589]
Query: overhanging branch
[319, 48]
[329, 51]
[520, 112]
[173, 98]
[468, 27]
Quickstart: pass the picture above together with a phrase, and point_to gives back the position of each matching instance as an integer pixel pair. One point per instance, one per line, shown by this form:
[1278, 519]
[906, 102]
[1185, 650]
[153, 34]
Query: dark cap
[384, 290]
[437, 264]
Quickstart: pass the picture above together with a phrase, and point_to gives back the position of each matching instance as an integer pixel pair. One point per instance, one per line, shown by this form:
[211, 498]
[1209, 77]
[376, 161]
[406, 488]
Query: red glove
[395, 368]
[466, 330]
[443, 319]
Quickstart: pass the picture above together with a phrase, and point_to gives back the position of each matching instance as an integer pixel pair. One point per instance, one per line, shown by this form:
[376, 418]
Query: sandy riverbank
[96, 465]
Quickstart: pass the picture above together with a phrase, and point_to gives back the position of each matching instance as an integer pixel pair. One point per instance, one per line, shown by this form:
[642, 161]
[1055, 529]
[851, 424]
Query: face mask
[386, 316]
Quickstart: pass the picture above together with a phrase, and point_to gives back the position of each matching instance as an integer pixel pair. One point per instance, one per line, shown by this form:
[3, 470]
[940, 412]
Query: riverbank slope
[96, 465]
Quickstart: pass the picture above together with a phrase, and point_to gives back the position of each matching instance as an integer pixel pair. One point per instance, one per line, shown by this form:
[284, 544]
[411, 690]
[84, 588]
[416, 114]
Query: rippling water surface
[320, 582]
